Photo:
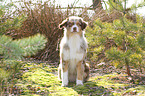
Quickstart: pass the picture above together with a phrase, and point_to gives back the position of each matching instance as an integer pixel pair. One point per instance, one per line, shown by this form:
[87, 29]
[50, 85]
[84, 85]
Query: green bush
[13, 51]
[120, 42]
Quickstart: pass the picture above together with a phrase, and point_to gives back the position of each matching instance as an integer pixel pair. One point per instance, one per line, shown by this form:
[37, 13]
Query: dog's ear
[83, 24]
[63, 24]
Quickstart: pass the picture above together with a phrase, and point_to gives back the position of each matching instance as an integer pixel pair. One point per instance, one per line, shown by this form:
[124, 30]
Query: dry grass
[45, 18]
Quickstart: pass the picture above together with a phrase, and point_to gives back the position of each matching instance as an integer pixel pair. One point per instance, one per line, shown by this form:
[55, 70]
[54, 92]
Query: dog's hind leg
[86, 71]
[59, 71]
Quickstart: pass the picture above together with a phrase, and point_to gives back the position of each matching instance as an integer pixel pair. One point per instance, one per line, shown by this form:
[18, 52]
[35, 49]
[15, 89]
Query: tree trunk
[97, 4]
[127, 67]
[140, 67]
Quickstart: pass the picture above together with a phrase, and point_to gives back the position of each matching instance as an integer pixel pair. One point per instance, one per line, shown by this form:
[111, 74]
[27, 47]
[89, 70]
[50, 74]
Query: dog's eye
[70, 24]
[79, 23]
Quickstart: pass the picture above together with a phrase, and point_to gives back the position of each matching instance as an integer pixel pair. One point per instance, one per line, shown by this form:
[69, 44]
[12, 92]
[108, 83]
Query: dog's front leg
[80, 72]
[64, 73]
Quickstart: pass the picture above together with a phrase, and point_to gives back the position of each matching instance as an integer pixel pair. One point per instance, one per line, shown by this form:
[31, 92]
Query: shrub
[43, 18]
[117, 42]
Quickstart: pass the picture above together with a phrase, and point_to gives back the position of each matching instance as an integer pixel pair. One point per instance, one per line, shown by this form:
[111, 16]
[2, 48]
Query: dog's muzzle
[74, 28]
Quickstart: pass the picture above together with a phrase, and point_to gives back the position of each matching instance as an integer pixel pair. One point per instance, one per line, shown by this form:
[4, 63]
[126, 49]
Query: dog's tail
[86, 72]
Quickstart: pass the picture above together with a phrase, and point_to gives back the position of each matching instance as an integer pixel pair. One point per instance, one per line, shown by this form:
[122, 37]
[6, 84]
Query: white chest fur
[74, 44]
[74, 48]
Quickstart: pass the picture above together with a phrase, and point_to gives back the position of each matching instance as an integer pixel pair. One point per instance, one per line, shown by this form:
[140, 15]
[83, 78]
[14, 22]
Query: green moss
[62, 91]
[42, 80]
[91, 88]
[138, 90]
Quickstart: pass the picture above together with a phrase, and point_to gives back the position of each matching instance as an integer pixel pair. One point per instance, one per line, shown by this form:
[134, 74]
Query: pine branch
[23, 47]
[9, 49]
[114, 6]
[140, 5]
[32, 45]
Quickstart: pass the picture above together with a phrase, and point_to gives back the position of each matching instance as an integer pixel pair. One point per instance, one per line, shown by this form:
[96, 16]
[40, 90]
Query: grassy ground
[41, 79]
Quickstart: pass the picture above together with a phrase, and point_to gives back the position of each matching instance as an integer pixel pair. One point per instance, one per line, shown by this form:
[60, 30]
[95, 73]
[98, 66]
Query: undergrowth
[41, 79]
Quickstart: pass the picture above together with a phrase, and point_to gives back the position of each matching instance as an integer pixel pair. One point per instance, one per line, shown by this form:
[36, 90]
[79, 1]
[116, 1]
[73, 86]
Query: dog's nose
[75, 28]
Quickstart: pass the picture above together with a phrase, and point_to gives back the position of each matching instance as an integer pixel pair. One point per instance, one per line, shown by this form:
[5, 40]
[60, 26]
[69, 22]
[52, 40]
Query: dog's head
[73, 24]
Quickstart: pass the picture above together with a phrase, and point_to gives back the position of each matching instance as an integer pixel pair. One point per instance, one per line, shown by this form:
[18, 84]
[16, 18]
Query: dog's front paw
[65, 79]
[64, 84]
[79, 82]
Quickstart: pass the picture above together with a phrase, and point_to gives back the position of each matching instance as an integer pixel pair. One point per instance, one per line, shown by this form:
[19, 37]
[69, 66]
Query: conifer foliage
[16, 49]
[12, 51]
[121, 42]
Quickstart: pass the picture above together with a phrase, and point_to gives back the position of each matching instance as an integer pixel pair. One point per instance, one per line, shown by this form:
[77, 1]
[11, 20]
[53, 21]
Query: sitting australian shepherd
[73, 49]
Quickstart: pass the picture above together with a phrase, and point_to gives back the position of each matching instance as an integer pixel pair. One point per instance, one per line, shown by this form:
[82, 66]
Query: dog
[73, 49]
